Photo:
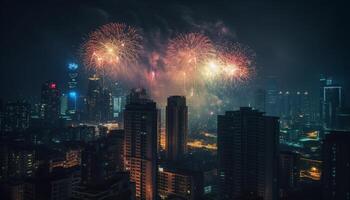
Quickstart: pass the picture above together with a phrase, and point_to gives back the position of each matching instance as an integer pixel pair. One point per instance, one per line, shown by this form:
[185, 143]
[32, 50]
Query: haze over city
[191, 100]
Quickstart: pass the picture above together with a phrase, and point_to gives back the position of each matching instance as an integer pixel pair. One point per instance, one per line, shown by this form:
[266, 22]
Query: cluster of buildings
[111, 145]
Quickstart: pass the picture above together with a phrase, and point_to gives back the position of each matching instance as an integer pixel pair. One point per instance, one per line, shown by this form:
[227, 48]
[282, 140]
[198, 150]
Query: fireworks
[233, 64]
[111, 47]
[206, 72]
[189, 50]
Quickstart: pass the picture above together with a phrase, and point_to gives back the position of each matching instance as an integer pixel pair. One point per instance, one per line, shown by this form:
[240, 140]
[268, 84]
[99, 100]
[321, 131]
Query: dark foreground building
[336, 172]
[176, 127]
[247, 155]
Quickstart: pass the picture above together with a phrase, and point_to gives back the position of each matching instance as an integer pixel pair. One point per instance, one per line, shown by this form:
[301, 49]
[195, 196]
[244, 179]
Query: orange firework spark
[112, 46]
[189, 50]
[237, 62]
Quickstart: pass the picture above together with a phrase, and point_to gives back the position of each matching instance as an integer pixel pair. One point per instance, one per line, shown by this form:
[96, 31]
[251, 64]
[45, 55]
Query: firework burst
[233, 64]
[111, 47]
[189, 50]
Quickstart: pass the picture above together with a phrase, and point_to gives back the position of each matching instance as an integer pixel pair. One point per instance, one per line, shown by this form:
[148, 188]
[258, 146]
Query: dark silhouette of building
[50, 102]
[16, 116]
[102, 170]
[336, 171]
[99, 101]
[272, 96]
[102, 159]
[288, 172]
[141, 131]
[176, 127]
[93, 99]
[247, 154]
[260, 100]
[118, 187]
[57, 185]
[106, 105]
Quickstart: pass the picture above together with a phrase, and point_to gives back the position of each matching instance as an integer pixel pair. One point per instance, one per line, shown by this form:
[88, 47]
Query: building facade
[176, 127]
[247, 154]
[141, 131]
[336, 170]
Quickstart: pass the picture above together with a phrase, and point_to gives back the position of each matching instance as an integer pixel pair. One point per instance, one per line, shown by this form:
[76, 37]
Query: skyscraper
[72, 88]
[176, 127]
[63, 104]
[247, 154]
[118, 101]
[106, 105]
[272, 96]
[260, 100]
[336, 171]
[50, 101]
[140, 126]
[93, 99]
[330, 102]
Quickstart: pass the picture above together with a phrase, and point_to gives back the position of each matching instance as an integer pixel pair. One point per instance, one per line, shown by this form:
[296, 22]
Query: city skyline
[154, 100]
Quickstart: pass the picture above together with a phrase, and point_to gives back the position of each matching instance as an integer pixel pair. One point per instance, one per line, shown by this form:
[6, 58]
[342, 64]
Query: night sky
[295, 40]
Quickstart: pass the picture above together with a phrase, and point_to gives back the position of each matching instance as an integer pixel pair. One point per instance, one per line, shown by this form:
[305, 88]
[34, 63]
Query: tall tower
[176, 127]
[50, 102]
[260, 100]
[331, 104]
[93, 97]
[272, 97]
[140, 126]
[247, 154]
[72, 88]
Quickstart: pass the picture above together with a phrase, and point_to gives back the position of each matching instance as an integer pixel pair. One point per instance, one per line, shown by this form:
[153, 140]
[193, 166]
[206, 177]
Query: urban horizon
[174, 101]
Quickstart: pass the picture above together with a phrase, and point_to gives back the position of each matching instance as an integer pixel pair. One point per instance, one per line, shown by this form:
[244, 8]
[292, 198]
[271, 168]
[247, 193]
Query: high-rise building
[1, 115]
[176, 127]
[93, 99]
[16, 116]
[72, 88]
[106, 105]
[63, 104]
[260, 100]
[141, 131]
[331, 101]
[50, 101]
[119, 99]
[247, 154]
[305, 106]
[336, 170]
[272, 97]
[288, 172]
[284, 105]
